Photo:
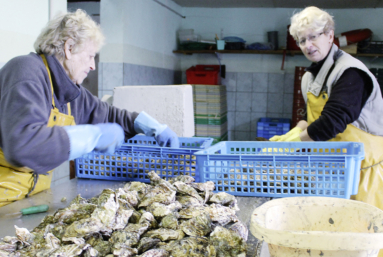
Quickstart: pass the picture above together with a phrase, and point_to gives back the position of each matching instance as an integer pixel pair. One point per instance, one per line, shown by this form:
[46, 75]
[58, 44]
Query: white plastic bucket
[319, 226]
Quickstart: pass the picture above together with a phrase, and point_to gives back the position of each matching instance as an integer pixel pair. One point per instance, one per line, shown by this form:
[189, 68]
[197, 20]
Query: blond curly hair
[311, 18]
[72, 25]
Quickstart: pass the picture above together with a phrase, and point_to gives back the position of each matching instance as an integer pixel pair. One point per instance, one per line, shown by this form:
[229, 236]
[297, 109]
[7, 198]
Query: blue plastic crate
[139, 156]
[269, 127]
[283, 169]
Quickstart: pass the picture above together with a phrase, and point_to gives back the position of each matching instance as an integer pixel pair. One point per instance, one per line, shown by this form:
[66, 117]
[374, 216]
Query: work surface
[88, 189]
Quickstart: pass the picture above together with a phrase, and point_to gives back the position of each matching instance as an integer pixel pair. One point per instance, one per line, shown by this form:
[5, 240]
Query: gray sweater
[25, 106]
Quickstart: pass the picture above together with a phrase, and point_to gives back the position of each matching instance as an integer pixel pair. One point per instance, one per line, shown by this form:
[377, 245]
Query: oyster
[102, 247]
[207, 186]
[188, 201]
[187, 190]
[197, 226]
[165, 198]
[6, 247]
[155, 253]
[83, 228]
[191, 212]
[160, 210]
[78, 200]
[135, 217]
[25, 237]
[223, 198]
[240, 229]
[74, 212]
[227, 242]
[183, 178]
[129, 196]
[170, 221]
[221, 214]
[67, 251]
[147, 243]
[165, 234]
[158, 181]
[122, 239]
[191, 246]
[122, 216]
[52, 241]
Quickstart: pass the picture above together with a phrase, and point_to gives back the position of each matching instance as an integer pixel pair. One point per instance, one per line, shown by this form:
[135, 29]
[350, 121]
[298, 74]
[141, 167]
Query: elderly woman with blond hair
[343, 99]
[47, 117]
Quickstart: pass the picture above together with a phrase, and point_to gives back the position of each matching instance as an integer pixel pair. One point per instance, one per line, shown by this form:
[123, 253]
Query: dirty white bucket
[319, 226]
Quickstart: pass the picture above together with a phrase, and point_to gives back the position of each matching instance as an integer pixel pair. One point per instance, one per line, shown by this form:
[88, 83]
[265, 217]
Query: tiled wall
[252, 96]
[113, 75]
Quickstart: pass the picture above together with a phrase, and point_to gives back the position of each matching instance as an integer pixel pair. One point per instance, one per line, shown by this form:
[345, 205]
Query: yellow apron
[17, 182]
[371, 174]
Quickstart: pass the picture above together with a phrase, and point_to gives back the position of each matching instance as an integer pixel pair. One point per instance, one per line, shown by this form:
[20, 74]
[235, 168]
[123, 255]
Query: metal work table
[90, 188]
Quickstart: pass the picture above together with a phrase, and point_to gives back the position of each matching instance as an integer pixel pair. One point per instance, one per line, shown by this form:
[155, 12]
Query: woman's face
[315, 46]
[77, 65]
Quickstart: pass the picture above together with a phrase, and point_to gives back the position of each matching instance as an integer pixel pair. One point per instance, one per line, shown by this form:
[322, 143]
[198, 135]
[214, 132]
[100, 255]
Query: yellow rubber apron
[17, 182]
[371, 174]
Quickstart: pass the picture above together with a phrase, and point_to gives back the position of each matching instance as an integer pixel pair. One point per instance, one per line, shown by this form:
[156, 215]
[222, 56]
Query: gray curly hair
[311, 18]
[77, 25]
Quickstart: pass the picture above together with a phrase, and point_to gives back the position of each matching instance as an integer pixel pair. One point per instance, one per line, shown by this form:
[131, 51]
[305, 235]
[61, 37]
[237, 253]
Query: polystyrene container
[318, 226]
[140, 155]
[283, 169]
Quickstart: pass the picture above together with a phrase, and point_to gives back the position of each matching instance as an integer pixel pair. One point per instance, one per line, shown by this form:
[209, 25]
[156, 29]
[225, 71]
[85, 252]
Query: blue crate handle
[207, 143]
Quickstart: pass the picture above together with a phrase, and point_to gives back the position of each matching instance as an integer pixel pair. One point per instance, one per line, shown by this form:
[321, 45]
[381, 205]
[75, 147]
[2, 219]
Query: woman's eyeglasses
[311, 38]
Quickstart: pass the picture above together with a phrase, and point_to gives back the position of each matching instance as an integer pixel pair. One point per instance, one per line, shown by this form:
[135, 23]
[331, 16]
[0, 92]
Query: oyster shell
[147, 243]
[155, 253]
[52, 241]
[207, 186]
[183, 178]
[191, 212]
[165, 198]
[129, 196]
[221, 214]
[158, 181]
[25, 237]
[78, 200]
[225, 199]
[6, 247]
[82, 228]
[187, 190]
[240, 229]
[191, 246]
[160, 210]
[197, 226]
[165, 234]
[170, 221]
[227, 242]
[188, 201]
[102, 247]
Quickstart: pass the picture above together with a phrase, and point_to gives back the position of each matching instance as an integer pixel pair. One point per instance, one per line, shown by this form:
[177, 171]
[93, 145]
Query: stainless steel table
[87, 189]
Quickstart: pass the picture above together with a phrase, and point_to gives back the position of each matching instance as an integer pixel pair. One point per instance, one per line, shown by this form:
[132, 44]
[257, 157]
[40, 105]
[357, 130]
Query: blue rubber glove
[168, 138]
[105, 137]
[147, 125]
[112, 137]
[82, 139]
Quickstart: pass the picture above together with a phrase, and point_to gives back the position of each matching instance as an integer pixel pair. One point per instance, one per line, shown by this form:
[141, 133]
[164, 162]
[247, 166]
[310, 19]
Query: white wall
[140, 32]
[252, 24]
[20, 23]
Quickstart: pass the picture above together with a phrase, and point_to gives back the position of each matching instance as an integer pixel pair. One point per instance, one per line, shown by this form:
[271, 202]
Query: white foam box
[171, 105]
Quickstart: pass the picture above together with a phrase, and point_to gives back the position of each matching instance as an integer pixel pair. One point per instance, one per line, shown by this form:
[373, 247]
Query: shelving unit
[281, 52]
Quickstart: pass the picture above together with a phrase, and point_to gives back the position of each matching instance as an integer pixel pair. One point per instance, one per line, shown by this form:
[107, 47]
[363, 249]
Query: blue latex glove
[168, 138]
[105, 137]
[112, 137]
[147, 125]
[82, 139]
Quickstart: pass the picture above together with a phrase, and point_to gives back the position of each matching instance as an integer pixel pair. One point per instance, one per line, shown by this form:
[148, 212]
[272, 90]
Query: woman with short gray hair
[47, 117]
[343, 99]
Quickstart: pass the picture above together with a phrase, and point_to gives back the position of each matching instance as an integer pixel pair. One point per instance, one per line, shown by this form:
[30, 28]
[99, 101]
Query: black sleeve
[348, 96]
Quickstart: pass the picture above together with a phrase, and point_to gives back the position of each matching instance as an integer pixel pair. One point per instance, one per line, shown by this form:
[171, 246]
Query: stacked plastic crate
[299, 105]
[210, 111]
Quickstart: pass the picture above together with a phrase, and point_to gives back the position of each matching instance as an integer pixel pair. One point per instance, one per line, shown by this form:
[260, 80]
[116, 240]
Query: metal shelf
[281, 52]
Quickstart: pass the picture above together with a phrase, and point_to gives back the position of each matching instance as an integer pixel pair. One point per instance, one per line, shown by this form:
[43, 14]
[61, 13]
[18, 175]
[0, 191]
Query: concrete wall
[140, 38]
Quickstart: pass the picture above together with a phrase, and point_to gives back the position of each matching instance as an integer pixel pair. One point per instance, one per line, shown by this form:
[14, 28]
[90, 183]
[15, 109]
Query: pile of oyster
[164, 218]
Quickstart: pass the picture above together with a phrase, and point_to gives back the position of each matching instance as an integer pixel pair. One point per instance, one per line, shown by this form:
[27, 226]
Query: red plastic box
[203, 74]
